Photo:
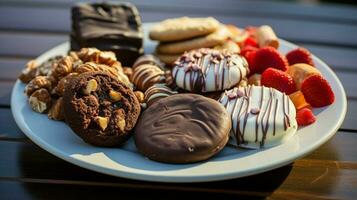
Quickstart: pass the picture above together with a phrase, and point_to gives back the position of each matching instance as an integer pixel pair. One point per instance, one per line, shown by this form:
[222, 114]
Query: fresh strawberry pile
[294, 74]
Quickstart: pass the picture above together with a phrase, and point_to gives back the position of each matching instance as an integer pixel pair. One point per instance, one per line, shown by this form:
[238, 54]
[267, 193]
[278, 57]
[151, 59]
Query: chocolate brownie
[100, 109]
[182, 128]
[108, 26]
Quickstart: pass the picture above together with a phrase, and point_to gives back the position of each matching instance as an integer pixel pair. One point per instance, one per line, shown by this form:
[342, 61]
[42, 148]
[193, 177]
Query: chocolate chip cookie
[100, 109]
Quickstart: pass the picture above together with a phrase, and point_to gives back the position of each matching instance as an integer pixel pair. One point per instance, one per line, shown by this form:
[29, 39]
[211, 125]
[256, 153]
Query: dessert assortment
[207, 85]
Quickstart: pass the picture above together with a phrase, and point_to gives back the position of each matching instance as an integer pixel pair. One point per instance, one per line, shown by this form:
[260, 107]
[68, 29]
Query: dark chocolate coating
[81, 110]
[108, 26]
[182, 128]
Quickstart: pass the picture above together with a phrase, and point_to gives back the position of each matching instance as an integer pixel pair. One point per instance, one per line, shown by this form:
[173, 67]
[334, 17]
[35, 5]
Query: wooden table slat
[58, 20]
[331, 12]
[316, 174]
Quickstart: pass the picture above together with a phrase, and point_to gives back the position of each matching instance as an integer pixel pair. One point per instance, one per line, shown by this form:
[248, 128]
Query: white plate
[58, 139]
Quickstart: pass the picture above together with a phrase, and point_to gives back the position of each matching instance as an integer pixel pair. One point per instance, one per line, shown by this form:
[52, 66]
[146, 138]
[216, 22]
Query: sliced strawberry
[250, 41]
[299, 55]
[268, 57]
[305, 117]
[279, 80]
[317, 91]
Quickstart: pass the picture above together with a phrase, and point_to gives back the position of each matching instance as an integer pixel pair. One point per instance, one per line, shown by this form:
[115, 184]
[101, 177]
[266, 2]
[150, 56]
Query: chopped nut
[140, 96]
[128, 71]
[91, 86]
[59, 89]
[40, 100]
[29, 72]
[63, 67]
[121, 124]
[37, 83]
[102, 122]
[114, 95]
[56, 112]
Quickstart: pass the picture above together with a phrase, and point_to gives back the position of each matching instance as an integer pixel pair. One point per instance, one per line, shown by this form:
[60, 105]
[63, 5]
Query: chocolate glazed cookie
[182, 128]
[100, 109]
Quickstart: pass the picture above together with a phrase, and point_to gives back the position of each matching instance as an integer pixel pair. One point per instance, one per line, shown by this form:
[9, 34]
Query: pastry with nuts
[100, 109]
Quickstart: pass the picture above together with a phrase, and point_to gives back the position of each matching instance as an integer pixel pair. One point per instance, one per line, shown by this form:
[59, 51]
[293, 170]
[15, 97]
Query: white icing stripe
[261, 117]
[213, 71]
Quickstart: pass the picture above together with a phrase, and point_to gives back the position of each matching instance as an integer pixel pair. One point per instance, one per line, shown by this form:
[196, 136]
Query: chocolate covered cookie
[182, 128]
[208, 70]
[100, 109]
[147, 71]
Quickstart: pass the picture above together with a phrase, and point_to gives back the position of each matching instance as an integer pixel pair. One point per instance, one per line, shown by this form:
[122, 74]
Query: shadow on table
[57, 179]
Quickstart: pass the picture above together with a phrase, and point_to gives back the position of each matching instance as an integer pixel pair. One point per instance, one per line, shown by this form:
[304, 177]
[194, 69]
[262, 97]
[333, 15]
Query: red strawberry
[247, 49]
[279, 80]
[305, 117]
[317, 91]
[299, 55]
[268, 57]
[249, 56]
[250, 41]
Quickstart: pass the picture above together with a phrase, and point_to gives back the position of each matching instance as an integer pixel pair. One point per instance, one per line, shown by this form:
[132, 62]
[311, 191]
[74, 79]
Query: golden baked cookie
[168, 58]
[211, 40]
[183, 28]
[228, 45]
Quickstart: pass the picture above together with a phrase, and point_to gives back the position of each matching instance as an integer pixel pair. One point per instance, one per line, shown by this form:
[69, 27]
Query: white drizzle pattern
[261, 116]
[207, 70]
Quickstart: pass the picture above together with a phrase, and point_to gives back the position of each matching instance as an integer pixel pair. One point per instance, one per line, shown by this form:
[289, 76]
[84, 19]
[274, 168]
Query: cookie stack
[183, 34]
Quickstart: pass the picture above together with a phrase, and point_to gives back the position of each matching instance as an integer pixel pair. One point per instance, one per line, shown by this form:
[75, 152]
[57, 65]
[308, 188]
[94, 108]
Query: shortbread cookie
[100, 109]
[211, 40]
[261, 116]
[208, 70]
[228, 45]
[183, 28]
[168, 58]
[182, 128]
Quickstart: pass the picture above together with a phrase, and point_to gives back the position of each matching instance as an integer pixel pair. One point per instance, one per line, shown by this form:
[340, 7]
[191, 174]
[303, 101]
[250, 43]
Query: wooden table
[329, 31]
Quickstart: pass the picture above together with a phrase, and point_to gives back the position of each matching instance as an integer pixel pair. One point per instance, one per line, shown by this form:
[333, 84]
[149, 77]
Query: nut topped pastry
[100, 109]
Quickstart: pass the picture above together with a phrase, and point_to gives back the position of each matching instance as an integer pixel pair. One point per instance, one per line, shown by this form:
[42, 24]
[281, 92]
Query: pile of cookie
[179, 35]
[208, 85]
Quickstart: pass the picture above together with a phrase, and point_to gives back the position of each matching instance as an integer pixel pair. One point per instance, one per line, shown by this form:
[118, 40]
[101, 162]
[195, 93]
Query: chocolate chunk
[100, 109]
[108, 26]
[182, 128]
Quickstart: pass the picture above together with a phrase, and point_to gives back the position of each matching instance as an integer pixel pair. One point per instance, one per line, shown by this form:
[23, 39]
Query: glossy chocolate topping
[108, 26]
[182, 128]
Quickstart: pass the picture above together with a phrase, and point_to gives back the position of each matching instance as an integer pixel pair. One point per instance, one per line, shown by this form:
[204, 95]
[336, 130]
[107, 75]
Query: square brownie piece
[108, 26]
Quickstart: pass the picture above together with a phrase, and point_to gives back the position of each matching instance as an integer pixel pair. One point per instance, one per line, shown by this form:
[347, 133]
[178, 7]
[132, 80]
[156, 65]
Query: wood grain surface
[29, 28]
